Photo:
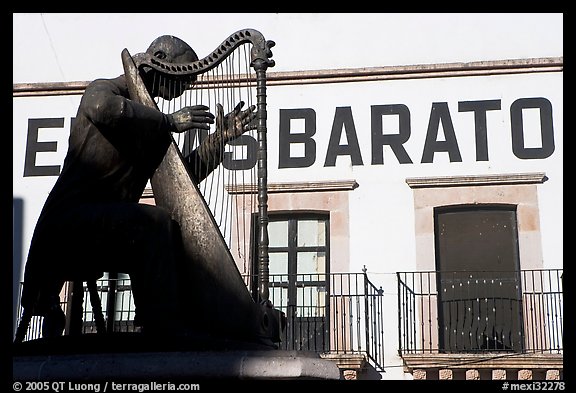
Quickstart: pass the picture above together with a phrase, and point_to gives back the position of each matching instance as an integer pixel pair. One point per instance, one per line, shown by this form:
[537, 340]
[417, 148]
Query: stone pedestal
[179, 365]
[221, 361]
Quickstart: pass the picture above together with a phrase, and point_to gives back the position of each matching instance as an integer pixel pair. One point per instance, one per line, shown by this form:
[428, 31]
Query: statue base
[133, 357]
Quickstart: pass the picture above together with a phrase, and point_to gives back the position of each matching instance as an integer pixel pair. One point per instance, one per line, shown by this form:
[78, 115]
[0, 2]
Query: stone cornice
[417, 71]
[476, 180]
[310, 186]
[346, 360]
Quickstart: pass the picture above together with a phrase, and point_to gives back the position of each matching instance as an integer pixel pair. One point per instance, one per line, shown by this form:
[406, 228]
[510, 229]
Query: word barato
[343, 124]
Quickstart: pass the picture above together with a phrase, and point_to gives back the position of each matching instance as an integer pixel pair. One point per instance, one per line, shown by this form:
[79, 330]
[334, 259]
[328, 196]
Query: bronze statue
[92, 222]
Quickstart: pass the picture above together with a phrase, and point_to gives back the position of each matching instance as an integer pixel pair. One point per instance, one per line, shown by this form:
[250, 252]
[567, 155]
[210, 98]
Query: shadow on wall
[17, 255]
[370, 373]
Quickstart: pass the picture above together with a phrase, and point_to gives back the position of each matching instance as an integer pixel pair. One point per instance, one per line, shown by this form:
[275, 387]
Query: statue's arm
[133, 128]
[204, 159]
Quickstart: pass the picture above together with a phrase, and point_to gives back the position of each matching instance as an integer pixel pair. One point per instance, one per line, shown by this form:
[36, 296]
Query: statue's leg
[54, 319]
[142, 241]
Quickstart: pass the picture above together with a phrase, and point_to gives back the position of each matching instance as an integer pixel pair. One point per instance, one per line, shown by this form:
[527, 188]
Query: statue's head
[173, 50]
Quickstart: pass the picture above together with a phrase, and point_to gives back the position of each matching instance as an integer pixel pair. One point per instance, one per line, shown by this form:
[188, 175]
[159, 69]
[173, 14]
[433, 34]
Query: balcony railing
[480, 311]
[336, 313]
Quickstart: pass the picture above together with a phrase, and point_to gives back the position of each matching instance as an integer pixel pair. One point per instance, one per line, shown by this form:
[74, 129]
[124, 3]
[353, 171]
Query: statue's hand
[189, 117]
[236, 122]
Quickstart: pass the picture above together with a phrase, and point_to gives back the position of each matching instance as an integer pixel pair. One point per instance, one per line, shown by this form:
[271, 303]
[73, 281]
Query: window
[299, 261]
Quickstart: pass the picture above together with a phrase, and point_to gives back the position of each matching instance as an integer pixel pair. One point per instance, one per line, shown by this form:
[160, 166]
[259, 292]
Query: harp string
[251, 202]
[227, 84]
[226, 175]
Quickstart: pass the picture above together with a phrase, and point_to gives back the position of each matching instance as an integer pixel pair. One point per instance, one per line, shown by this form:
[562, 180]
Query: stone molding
[476, 180]
[310, 186]
[346, 360]
[417, 71]
[314, 186]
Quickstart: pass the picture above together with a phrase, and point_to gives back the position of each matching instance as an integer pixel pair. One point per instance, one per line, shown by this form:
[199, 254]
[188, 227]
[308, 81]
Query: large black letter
[286, 138]
[343, 119]
[480, 108]
[33, 146]
[440, 113]
[546, 128]
[395, 141]
[230, 162]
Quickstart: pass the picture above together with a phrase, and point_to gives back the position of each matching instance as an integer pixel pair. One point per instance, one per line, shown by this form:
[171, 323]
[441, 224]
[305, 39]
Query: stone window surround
[513, 189]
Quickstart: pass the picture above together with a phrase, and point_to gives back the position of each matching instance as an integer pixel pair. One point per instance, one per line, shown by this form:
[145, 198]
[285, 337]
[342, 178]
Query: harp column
[260, 66]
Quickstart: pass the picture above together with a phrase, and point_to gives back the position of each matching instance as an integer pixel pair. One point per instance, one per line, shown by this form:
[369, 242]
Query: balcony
[452, 319]
[338, 315]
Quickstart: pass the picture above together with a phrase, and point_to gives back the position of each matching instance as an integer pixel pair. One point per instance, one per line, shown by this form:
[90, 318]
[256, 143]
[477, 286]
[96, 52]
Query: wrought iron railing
[480, 311]
[335, 313]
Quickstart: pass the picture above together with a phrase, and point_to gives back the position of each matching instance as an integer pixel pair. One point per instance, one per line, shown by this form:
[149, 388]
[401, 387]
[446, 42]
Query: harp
[219, 299]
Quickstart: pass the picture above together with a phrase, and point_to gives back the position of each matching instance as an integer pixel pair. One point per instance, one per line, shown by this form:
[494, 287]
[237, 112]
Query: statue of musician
[92, 222]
